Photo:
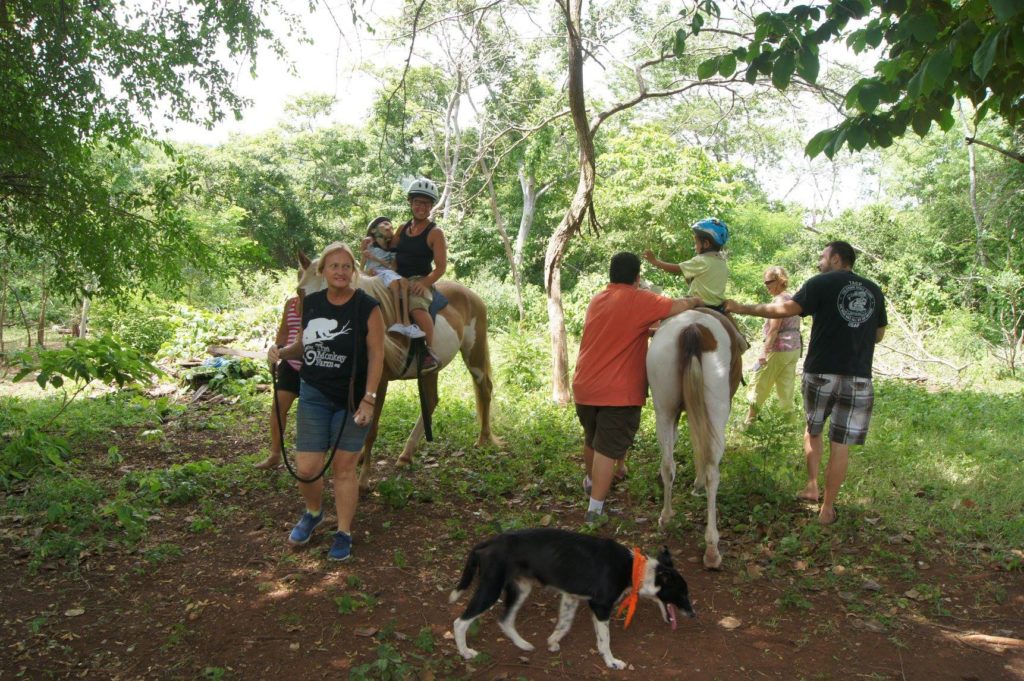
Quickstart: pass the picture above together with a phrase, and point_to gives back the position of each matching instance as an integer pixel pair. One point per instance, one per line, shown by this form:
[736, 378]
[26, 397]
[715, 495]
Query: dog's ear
[304, 261]
[665, 558]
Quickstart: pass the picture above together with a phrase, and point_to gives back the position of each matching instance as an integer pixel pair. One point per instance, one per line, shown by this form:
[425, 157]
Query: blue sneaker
[342, 547]
[303, 529]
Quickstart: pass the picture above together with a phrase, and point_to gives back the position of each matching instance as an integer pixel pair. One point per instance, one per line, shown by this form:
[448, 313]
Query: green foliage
[67, 136]
[229, 374]
[933, 52]
[85, 360]
[27, 453]
[178, 484]
[390, 665]
[143, 323]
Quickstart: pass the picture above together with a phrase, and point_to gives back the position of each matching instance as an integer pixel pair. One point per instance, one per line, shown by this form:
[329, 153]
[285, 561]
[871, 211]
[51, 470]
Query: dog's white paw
[615, 664]
[526, 645]
[469, 654]
[553, 646]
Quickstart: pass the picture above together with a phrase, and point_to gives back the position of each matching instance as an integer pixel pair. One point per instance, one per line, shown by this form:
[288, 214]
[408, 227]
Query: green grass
[938, 465]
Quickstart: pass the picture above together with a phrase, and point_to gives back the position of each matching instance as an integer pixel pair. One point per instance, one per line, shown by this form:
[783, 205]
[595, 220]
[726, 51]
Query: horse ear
[665, 558]
[304, 261]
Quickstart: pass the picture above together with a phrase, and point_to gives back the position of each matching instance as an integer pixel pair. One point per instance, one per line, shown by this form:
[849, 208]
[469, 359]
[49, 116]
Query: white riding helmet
[423, 187]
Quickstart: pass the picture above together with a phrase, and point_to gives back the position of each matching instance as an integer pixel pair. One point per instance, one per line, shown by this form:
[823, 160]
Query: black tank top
[413, 257]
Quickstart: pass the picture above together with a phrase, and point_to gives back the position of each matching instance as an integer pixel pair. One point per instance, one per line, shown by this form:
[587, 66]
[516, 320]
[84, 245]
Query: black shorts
[287, 378]
[609, 430]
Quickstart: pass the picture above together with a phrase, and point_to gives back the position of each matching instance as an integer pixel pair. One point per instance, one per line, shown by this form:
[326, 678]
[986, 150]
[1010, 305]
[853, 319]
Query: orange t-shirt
[611, 370]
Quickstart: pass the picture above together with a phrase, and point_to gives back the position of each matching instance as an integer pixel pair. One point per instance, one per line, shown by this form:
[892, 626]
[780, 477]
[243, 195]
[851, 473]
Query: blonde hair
[331, 248]
[779, 273]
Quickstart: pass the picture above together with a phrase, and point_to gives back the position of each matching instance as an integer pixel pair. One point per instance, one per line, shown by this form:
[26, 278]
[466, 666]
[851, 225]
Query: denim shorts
[318, 421]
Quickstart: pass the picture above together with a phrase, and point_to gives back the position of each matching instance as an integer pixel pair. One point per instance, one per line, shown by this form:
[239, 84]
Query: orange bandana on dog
[628, 604]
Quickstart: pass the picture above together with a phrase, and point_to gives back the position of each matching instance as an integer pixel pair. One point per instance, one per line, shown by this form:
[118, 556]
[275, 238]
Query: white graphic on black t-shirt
[855, 303]
[314, 337]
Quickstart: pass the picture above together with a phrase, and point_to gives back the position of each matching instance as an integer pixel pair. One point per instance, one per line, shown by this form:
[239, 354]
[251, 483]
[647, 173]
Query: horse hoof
[404, 461]
[364, 489]
[712, 559]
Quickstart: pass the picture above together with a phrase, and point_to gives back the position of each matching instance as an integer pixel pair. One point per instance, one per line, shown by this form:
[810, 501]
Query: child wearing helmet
[379, 261]
[422, 258]
[707, 272]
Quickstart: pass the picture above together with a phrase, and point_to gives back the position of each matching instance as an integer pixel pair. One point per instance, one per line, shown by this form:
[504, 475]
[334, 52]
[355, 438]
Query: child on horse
[379, 261]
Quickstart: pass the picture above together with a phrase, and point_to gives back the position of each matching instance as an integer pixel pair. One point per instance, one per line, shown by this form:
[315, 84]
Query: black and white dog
[581, 567]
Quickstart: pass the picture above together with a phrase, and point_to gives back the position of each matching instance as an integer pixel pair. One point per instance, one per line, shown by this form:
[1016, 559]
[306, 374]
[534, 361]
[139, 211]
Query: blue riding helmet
[712, 228]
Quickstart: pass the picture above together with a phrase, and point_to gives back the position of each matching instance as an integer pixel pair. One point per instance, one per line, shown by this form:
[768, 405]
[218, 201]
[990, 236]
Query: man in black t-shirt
[849, 318]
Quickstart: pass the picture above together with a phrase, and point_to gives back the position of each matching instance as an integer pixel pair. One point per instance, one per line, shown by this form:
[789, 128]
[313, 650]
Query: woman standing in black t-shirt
[342, 353]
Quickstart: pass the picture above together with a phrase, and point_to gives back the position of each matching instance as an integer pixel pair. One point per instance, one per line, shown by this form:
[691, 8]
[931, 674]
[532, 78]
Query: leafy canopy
[81, 77]
[931, 52]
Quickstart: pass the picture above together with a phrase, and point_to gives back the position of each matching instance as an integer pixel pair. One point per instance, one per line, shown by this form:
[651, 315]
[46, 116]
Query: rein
[628, 605]
[341, 430]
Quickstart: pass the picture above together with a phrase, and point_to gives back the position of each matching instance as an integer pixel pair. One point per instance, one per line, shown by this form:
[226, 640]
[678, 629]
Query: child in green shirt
[707, 272]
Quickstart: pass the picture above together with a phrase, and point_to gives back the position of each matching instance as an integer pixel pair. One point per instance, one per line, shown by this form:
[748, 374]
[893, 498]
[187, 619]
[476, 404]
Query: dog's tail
[468, 572]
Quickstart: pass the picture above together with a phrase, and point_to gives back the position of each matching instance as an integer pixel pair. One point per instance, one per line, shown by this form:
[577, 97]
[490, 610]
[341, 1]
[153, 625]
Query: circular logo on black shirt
[856, 304]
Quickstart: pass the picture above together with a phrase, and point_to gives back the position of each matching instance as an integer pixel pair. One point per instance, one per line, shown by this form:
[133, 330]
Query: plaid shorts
[848, 399]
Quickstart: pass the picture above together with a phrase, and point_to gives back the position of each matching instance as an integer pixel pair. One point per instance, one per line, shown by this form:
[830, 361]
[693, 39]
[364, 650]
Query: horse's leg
[476, 355]
[371, 437]
[718, 412]
[668, 433]
[429, 388]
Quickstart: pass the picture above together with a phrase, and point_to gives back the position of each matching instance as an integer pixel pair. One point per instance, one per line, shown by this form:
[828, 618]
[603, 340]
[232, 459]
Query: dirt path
[238, 603]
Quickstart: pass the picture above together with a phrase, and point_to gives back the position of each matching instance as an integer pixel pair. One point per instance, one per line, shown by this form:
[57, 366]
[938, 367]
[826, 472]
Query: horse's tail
[468, 573]
[694, 340]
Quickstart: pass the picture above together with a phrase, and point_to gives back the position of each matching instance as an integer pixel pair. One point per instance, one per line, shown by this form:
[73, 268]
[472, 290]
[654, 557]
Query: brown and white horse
[694, 364]
[461, 327]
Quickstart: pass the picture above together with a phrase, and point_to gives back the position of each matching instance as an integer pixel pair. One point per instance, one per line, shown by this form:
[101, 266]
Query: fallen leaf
[729, 623]
[74, 612]
[546, 520]
[754, 570]
[762, 645]
[365, 632]
[343, 663]
[293, 646]
[871, 585]
[838, 569]
[800, 565]
[913, 594]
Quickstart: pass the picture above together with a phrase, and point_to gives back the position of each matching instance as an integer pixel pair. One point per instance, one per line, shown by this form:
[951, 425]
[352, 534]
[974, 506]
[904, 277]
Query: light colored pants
[779, 372]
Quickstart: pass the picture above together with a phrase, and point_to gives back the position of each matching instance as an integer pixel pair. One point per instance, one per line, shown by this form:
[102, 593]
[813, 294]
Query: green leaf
[696, 23]
[946, 120]
[707, 68]
[938, 67]
[727, 65]
[808, 66]
[916, 83]
[986, 54]
[1006, 9]
[818, 142]
[679, 44]
[857, 138]
[868, 95]
[921, 123]
[751, 75]
[782, 72]
[923, 27]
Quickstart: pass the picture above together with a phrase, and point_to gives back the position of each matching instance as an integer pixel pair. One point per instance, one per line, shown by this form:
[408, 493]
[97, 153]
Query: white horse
[460, 327]
[694, 364]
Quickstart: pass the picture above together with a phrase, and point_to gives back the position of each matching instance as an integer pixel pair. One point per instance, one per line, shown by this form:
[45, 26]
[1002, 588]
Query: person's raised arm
[669, 267]
[684, 304]
[789, 308]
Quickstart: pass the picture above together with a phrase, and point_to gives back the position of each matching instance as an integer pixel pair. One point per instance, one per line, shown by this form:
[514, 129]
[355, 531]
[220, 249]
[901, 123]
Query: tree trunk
[3, 311]
[531, 195]
[579, 207]
[979, 225]
[83, 318]
[41, 328]
[499, 222]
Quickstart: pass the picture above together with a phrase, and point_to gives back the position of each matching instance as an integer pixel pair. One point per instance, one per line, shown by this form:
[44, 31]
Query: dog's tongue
[672, 615]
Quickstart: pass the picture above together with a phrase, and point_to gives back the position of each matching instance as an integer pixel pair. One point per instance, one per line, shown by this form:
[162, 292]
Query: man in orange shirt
[610, 384]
